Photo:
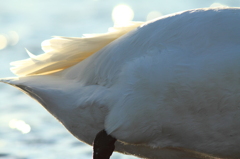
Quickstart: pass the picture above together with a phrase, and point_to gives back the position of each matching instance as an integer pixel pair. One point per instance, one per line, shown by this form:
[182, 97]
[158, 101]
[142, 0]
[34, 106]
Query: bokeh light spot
[154, 14]
[20, 126]
[14, 37]
[3, 42]
[217, 5]
[122, 14]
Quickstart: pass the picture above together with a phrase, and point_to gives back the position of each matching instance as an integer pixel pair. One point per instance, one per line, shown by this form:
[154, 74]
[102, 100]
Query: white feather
[31, 55]
[172, 84]
[63, 52]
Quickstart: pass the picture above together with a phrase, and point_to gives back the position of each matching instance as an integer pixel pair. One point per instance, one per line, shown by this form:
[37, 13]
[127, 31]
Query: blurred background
[27, 130]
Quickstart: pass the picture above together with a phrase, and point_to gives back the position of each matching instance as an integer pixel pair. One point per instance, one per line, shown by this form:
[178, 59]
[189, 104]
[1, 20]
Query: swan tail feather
[63, 52]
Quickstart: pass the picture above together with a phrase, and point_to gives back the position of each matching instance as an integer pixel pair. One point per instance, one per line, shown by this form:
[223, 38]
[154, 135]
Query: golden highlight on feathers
[63, 52]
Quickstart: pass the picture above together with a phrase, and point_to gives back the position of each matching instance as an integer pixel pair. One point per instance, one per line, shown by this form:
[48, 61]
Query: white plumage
[170, 86]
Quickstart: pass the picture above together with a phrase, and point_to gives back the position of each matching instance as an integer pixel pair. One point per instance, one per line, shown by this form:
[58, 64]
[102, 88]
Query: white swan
[167, 89]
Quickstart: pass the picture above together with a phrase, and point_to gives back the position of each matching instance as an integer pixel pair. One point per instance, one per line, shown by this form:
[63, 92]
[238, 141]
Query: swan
[167, 88]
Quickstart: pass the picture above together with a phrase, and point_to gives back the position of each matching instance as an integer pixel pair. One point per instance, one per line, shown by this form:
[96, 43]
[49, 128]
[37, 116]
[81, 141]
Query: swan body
[168, 88]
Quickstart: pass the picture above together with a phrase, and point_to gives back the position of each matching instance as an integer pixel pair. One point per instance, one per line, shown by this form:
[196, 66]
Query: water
[27, 131]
